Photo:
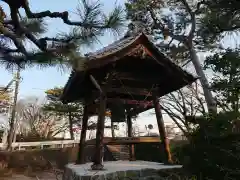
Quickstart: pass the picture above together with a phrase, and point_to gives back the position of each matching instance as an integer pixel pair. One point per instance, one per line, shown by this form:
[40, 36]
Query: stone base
[116, 170]
[96, 167]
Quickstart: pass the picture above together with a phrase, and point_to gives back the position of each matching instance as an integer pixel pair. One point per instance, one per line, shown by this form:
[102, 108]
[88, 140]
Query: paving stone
[117, 170]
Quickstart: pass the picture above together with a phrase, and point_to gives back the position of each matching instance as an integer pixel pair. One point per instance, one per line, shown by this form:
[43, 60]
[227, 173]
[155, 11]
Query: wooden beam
[128, 90]
[127, 140]
[80, 157]
[131, 146]
[138, 77]
[98, 158]
[131, 102]
[95, 83]
[162, 130]
[133, 84]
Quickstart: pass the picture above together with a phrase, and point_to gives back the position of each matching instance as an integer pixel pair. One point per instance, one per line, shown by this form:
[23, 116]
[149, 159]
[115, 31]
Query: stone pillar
[98, 157]
[162, 132]
[131, 146]
[81, 147]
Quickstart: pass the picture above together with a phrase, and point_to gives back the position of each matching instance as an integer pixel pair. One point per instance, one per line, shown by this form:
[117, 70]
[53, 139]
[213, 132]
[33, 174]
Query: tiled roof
[77, 77]
[114, 47]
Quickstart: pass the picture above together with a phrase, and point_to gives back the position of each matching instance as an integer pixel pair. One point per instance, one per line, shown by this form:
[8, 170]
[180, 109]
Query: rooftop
[129, 70]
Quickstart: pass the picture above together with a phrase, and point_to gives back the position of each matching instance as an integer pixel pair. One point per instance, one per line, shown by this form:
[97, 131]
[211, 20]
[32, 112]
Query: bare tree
[184, 104]
[135, 130]
[33, 121]
[176, 30]
[12, 119]
[170, 130]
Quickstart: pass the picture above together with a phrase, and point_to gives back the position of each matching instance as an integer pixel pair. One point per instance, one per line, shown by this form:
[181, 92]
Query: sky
[35, 81]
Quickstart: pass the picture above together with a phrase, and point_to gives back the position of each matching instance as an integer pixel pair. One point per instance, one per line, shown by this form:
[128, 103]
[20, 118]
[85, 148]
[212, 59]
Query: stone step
[121, 156]
[119, 152]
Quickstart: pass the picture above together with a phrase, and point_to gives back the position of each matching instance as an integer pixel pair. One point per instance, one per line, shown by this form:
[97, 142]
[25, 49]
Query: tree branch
[6, 50]
[159, 25]
[193, 20]
[199, 4]
[62, 15]
[92, 24]
[14, 38]
[171, 115]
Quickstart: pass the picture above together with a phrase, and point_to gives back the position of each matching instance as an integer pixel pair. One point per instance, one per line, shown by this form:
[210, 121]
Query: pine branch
[65, 16]
[91, 25]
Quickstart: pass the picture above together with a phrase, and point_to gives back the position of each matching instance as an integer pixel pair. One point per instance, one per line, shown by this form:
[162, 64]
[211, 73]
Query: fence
[61, 144]
[49, 144]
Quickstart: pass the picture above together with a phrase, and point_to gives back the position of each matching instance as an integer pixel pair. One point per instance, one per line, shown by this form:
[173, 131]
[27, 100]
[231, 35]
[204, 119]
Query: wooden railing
[128, 140]
[63, 143]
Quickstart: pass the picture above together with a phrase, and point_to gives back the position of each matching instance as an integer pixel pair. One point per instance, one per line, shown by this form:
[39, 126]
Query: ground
[36, 176]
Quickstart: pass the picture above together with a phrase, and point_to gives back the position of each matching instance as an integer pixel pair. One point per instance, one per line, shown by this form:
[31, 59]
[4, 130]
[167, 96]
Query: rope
[148, 95]
[126, 89]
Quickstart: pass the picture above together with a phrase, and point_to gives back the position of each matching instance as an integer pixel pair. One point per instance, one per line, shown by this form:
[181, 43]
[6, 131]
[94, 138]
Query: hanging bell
[117, 112]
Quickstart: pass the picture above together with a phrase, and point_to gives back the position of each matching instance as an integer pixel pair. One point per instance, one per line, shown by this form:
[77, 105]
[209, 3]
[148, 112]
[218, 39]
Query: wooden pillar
[112, 129]
[98, 157]
[131, 146]
[162, 130]
[81, 146]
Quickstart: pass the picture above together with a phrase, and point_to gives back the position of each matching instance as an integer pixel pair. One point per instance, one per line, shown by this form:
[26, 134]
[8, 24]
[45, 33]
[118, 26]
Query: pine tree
[63, 48]
[173, 24]
[5, 104]
[220, 18]
[71, 110]
[226, 79]
[5, 100]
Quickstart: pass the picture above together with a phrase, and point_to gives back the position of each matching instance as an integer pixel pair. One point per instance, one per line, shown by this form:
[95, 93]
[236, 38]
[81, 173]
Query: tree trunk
[13, 113]
[211, 104]
[70, 125]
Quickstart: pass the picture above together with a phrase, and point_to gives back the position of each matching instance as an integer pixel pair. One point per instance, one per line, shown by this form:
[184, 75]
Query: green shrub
[213, 151]
[178, 154]
[149, 152]
[214, 157]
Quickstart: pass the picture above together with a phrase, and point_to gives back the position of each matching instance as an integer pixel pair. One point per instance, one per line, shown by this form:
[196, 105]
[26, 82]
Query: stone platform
[117, 170]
